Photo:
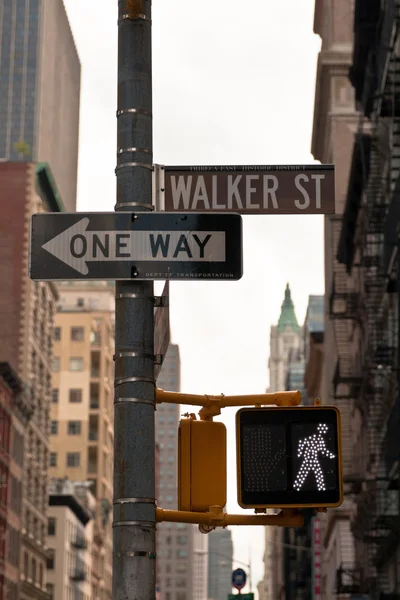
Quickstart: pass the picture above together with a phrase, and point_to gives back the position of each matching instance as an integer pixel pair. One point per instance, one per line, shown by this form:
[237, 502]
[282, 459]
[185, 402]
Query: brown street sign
[251, 190]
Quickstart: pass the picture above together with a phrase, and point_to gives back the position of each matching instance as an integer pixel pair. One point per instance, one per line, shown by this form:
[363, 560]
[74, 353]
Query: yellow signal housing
[201, 465]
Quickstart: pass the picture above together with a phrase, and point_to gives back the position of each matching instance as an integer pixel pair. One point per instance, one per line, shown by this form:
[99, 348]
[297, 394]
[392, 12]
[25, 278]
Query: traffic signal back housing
[289, 457]
[201, 465]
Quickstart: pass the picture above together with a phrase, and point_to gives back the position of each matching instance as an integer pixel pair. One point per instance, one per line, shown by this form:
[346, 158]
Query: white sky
[233, 84]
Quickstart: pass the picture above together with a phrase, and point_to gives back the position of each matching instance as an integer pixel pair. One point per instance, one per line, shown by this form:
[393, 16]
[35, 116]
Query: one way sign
[140, 246]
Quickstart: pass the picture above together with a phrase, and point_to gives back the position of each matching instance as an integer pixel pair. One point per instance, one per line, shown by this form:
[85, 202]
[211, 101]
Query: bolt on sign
[284, 189]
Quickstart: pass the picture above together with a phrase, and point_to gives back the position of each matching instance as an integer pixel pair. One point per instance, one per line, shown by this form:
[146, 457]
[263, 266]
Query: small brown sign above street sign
[251, 190]
[161, 330]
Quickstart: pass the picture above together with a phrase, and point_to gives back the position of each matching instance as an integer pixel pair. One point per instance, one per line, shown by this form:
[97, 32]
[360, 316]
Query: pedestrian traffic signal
[289, 457]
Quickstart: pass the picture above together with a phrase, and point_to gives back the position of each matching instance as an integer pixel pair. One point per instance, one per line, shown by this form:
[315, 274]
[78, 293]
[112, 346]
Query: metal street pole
[134, 442]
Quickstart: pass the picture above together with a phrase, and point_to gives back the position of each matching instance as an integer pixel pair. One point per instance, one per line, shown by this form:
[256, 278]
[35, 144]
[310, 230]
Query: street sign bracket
[212, 405]
[216, 517]
[161, 301]
[158, 359]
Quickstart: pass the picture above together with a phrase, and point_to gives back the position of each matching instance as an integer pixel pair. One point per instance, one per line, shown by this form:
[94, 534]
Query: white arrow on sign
[76, 246]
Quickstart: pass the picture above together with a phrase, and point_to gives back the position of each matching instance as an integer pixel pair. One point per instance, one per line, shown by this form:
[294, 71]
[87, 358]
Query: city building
[285, 338]
[69, 541]
[27, 311]
[200, 564]
[366, 306]
[304, 373]
[174, 540]
[313, 340]
[335, 124]
[220, 564]
[262, 592]
[81, 429]
[15, 411]
[40, 90]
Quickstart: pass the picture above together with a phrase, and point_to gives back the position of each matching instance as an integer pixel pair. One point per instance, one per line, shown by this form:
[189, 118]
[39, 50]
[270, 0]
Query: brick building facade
[27, 311]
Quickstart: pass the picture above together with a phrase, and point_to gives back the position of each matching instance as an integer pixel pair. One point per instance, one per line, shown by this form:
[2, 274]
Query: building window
[53, 459]
[77, 334]
[76, 363]
[51, 559]
[51, 526]
[73, 459]
[54, 427]
[55, 395]
[56, 364]
[33, 570]
[50, 590]
[57, 333]
[80, 302]
[75, 395]
[181, 539]
[74, 427]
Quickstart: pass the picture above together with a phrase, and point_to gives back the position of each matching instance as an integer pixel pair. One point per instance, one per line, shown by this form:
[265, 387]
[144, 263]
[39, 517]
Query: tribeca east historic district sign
[247, 190]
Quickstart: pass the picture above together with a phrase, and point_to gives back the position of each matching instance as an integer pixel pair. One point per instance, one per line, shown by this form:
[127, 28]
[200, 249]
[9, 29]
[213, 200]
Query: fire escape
[363, 243]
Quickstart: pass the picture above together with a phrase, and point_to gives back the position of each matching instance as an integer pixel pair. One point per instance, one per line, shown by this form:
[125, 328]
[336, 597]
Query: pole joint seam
[122, 380]
[128, 17]
[134, 501]
[134, 164]
[134, 204]
[141, 150]
[136, 553]
[134, 524]
[139, 111]
[132, 296]
[134, 401]
[131, 354]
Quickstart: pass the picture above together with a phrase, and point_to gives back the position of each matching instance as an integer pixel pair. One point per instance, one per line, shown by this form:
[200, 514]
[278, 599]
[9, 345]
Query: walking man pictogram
[310, 448]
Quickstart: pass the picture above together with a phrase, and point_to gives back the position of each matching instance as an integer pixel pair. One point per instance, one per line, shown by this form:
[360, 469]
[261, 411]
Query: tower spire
[288, 316]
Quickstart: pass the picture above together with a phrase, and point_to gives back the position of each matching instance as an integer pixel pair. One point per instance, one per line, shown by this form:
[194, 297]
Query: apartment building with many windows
[81, 429]
[15, 411]
[335, 125]
[40, 89]
[174, 540]
[69, 541]
[27, 311]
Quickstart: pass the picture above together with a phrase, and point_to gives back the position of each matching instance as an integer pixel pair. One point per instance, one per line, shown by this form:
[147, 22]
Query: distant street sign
[251, 190]
[239, 579]
[161, 330]
[141, 246]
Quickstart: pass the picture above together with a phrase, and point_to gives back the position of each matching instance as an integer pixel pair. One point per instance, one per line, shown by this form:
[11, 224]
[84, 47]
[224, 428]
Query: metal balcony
[384, 355]
[390, 234]
[348, 580]
[358, 177]
[79, 542]
[385, 43]
[346, 380]
[344, 305]
[391, 446]
[78, 575]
